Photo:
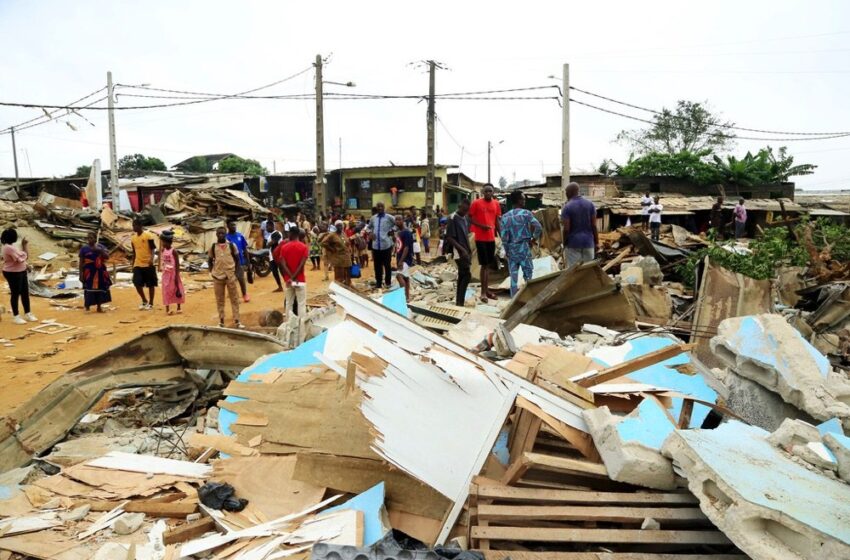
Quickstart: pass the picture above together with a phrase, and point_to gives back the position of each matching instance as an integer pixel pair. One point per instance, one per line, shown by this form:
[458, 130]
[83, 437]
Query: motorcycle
[259, 262]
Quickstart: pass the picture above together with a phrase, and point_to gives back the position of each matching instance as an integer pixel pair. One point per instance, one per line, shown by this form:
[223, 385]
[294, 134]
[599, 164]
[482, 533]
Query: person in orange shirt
[484, 214]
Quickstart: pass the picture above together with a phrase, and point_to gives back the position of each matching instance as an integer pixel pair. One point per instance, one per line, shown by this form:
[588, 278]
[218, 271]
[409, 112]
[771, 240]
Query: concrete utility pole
[565, 130]
[113, 153]
[429, 177]
[15, 159]
[319, 185]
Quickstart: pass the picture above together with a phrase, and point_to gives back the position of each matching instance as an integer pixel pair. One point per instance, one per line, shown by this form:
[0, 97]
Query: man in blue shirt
[241, 244]
[404, 255]
[380, 229]
[519, 229]
[578, 218]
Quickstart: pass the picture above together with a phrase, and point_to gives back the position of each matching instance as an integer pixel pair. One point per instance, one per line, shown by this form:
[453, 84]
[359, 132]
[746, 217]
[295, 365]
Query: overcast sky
[779, 64]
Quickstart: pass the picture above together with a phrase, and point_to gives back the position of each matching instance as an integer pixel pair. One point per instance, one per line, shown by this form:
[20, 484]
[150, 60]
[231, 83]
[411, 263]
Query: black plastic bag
[218, 495]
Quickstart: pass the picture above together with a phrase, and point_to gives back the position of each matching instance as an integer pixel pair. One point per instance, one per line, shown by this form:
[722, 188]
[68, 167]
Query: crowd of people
[345, 245]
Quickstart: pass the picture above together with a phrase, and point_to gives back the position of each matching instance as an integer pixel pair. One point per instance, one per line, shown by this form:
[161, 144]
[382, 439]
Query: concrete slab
[769, 351]
[630, 446]
[769, 505]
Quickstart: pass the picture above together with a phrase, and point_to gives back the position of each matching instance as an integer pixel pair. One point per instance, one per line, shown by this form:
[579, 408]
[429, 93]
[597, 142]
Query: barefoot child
[172, 284]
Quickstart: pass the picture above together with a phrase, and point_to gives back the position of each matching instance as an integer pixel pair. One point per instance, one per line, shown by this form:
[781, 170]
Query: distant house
[210, 162]
[600, 186]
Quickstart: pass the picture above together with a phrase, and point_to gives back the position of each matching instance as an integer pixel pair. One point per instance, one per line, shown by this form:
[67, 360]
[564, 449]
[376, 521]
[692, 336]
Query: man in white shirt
[655, 210]
[645, 203]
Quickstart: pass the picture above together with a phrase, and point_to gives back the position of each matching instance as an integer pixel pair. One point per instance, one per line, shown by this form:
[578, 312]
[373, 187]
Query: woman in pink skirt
[172, 285]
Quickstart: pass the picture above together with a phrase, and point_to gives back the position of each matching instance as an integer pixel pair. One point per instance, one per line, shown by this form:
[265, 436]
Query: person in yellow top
[144, 269]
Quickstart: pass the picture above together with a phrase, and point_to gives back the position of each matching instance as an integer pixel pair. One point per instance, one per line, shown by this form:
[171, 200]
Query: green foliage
[690, 127]
[82, 171]
[197, 164]
[236, 164]
[138, 162]
[775, 248]
[690, 166]
[760, 169]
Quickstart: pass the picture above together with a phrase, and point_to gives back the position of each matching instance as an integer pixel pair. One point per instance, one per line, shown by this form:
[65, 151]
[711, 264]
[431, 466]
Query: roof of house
[629, 204]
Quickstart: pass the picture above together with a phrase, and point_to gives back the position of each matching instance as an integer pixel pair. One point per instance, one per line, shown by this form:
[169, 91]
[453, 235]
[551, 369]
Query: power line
[729, 126]
[49, 116]
[716, 134]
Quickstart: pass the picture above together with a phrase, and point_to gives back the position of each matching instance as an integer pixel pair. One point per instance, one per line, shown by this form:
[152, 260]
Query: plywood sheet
[267, 483]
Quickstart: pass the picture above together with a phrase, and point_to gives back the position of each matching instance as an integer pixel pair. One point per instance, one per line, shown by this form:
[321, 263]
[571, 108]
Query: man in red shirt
[290, 258]
[484, 214]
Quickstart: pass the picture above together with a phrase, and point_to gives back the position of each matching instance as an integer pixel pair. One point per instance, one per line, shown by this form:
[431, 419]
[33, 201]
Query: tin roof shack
[363, 187]
[693, 212]
[143, 191]
[833, 205]
[290, 187]
[205, 163]
[600, 186]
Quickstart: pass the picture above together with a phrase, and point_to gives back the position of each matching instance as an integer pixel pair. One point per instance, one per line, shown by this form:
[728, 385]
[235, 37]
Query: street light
[490, 149]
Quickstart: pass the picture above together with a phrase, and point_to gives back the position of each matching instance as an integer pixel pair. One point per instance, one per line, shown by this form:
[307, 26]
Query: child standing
[172, 284]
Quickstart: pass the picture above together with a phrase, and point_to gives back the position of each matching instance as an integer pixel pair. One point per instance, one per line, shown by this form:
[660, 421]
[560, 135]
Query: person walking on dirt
[519, 230]
[578, 219]
[223, 260]
[457, 239]
[144, 264]
[15, 272]
[172, 284]
[241, 245]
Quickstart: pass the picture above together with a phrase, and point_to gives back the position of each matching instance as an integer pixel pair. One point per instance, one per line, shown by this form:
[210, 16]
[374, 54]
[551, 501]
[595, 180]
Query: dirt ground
[32, 360]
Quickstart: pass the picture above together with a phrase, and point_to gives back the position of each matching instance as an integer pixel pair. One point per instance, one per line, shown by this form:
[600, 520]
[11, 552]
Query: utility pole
[15, 159]
[113, 154]
[319, 186]
[565, 131]
[429, 177]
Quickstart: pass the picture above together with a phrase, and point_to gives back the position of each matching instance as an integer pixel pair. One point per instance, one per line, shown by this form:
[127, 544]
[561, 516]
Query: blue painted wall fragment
[662, 374]
[371, 503]
[650, 426]
[762, 474]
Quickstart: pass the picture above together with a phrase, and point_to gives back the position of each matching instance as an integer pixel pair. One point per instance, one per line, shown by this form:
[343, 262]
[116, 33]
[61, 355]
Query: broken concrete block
[766, 349]
[652, 274]
[630, 446]
[755, 404]
[128, 523]
[766, 503]
[75, 514]
[839, 445]
[816, 454]
[793, 433]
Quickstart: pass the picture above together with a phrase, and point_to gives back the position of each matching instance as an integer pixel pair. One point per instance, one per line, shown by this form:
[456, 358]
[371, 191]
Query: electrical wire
[715, 134]
[729, 126]
[49, 116]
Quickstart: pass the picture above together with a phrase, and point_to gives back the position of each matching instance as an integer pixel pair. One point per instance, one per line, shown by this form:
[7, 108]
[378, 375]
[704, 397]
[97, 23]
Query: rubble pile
[605, 412]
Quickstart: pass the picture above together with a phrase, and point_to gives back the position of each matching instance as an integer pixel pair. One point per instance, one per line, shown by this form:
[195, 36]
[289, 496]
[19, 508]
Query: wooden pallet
[584, 521]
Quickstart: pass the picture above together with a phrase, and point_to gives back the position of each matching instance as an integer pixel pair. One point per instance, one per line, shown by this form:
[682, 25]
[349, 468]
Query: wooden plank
[617, 260]
[118, 460]
[524, 435]
[632, 365]
[563, 464]
[531, 307]
[189, 531]
[578, 439]
[516, 470]
[604, 536]
[611, 514]
[150, 507]
[509, 493]
[685, 414]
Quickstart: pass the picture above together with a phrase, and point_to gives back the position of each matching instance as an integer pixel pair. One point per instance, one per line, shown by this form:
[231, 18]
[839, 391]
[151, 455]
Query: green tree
[138, 162]
[689, 166]
[690, 127]
[197, 164]
[236, 164]
[82, 171]
[763, 168]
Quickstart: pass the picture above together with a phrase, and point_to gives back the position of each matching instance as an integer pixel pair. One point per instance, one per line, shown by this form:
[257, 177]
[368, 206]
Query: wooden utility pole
[319, 185]
[430, 175]
[15, 159]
